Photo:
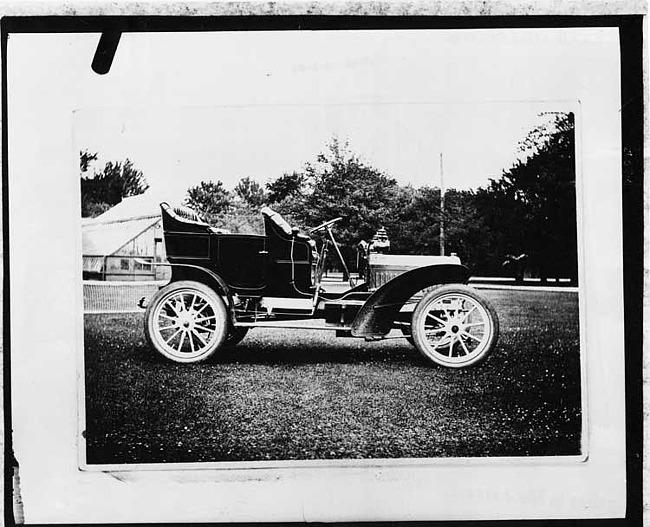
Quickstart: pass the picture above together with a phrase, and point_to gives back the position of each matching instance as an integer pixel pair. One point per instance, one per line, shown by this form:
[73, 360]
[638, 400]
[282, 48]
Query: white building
[117, 244]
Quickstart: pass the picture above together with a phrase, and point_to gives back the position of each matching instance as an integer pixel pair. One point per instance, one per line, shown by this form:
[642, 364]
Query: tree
[85, 158]
[287, 195]
[338, 183]
[251, 192]
[208, 198]
[240, 217]
[531, 208]
[107, 188]
[413, 221]
[465, 233]
[342, 185]
[287, 186]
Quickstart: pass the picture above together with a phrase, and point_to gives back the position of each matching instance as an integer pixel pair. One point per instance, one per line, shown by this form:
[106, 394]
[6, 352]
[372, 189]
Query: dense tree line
[526, 218]
[527, 215]
[531, 208]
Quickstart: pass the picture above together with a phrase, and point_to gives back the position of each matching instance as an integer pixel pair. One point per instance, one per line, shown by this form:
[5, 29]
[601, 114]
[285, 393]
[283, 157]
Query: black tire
[236, 335]
[454, 326]
[186, 322]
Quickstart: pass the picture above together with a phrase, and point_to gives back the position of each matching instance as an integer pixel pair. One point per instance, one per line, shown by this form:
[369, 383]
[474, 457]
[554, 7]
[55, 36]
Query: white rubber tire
[454, 326]
[186, 322]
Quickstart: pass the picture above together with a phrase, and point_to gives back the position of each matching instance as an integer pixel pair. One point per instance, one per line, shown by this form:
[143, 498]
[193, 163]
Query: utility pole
[442, 210]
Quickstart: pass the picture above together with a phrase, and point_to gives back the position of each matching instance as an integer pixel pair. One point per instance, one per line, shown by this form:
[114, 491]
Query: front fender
[376, 317]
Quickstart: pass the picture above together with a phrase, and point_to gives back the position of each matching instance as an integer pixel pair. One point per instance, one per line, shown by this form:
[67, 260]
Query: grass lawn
[298, 394]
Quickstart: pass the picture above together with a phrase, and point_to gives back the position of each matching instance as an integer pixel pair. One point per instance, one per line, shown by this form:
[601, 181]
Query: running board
[281, 324]
[341, 331]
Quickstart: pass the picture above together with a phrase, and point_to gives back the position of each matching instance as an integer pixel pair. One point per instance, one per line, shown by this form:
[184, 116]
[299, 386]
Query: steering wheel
[325, 225]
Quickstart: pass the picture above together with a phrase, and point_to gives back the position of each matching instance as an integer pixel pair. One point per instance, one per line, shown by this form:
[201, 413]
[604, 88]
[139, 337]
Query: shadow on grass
[277, 347]
[306, 353]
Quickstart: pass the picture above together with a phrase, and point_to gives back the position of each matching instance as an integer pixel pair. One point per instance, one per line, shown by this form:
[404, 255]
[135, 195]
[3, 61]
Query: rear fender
[204, 276]
[375, 318]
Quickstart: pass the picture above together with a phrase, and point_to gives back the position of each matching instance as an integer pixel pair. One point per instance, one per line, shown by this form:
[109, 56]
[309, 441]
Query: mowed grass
[299, 394]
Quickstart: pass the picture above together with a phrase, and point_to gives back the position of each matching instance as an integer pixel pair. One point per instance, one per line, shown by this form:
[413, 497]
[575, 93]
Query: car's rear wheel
[186, 322]
[454, 326]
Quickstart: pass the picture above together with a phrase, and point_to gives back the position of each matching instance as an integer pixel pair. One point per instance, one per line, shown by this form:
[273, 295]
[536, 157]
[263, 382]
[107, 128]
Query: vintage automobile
[223, 284]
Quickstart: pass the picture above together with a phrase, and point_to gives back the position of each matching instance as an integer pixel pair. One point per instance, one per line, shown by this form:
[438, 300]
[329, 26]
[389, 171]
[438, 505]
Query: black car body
[274, 280]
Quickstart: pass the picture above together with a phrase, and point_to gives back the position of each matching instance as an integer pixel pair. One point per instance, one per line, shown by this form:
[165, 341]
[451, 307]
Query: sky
[189, 107]
[403, 141]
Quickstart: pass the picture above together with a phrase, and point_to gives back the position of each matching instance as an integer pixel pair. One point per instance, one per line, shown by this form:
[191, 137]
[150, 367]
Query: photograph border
[632, 106]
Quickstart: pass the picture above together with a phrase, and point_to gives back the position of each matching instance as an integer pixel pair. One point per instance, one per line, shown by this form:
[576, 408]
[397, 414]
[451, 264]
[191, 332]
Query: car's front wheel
[454, 326]
[186, 322]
